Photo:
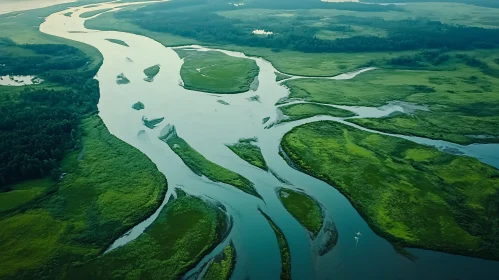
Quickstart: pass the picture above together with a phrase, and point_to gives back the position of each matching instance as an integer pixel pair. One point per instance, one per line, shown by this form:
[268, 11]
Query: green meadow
[216, 72]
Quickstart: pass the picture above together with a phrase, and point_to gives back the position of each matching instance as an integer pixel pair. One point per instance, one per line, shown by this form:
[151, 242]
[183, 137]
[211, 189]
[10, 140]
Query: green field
[413, 195]
[23, 193]
[304, 208]
[283, 248]
[119, 42]
[185, 230]
[216, 72]
[303, 111]
[223, 265]
[202, 166]
[248, 150]
[112, 188]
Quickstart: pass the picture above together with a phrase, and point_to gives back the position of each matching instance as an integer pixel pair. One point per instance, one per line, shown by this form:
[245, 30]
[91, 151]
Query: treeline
[38, 126]
[483, 3]
[411, 34]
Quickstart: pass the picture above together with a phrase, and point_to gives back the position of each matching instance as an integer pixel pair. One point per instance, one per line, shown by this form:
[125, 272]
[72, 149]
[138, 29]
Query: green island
[216, 72]
[121, 79]
[151, 72]
[283, 248]
[138, 106]
[304, 208]
[119, 42]
[279, 76]
[413, 195]
[306, 110]
[152, 123]
[223, 265]
[186, 229]
[202, 166]
[250, 152]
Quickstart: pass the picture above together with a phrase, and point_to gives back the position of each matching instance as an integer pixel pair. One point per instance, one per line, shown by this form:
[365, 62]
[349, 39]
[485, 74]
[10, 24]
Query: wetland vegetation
[415, 196]
[306, 110]
[216, 72]
[249, 150]
[185, 231]
[304, 208]
[283, 248]
[222, 266]
[202, 166]
[151, 72]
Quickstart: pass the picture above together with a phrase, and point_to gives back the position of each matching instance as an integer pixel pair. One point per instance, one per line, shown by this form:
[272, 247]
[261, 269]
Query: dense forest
[483, 3]
[196, 20]
[38, 125]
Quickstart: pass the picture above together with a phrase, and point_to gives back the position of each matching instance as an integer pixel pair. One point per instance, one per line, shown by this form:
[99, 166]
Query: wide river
[208, 125]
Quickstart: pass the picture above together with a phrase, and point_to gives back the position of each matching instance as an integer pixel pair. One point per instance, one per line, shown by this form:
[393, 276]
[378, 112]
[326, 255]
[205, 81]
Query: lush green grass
[93, 13]
[461, 97]
[304, 208]
[23, 193]
[411, 194]
[250, 152]
[119, 42]
[111, 189]
[216, 72]
[307, 110]
[151, 72]
[283, 248]
[185, 230]
[108, 22]
[280, 76]
[202, 166]
[223, 265]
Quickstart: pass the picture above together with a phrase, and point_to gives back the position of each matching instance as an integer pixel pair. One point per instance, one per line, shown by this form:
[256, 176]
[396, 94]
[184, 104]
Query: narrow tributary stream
[208, 125]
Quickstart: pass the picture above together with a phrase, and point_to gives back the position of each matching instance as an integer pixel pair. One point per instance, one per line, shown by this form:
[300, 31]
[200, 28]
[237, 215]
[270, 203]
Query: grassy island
[413, 195]
[138, 106]
[250, 152]
[223, 265]
[121, 79]
[202, 166]
[151, 72]
[216, 72]
[307, 110]
[186, 230]
[304, 208]
[283, 248]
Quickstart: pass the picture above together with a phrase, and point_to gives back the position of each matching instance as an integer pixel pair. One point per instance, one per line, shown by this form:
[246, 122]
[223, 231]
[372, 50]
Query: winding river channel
[208, 125]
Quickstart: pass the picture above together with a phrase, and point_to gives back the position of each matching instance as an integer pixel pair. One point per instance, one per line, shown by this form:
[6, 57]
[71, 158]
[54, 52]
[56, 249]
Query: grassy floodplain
[186, 229]
[283, 248]
[460, 92]
[102, 195]
[248, 150]
[413, 195]
[304, 208]
[202, 166]
[280, 76]
[216, 72]
[307, 110]
[119, 42]
[223, 265]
